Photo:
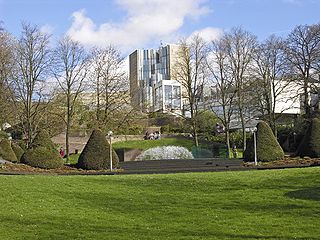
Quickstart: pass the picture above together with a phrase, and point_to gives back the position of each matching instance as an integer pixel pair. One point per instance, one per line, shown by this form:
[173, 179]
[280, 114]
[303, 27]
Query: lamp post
[110, 150]
[255, 145]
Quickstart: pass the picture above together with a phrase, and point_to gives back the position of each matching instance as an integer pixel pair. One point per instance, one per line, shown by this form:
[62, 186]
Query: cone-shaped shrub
[6, 151]
[42, 139]
[42, 157]
[3, 135]
[310, 144]
[43, 153]
[96, 153]
[268, 148]
[18, 151]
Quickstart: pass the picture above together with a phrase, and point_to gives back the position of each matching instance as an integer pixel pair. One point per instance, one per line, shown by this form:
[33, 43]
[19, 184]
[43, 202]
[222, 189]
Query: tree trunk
[98, 101]
[29, 127]
[67, 144]
[243, 127]
[306, 99]
[68, 127]
[195, 134]
[227, 135]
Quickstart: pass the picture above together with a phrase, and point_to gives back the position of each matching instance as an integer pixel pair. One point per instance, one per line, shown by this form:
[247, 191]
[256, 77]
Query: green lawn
[73, 158]
[274, 204]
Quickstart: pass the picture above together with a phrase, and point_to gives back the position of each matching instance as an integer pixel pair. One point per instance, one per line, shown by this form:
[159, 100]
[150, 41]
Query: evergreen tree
[96, 153]
[6, 151]
[42, 154]
[268, 148]
[310, 144]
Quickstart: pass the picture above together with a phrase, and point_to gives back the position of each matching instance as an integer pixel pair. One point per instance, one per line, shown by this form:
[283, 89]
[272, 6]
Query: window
[168, 96]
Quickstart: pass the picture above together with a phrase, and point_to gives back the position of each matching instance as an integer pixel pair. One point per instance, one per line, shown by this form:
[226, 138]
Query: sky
[133, 24]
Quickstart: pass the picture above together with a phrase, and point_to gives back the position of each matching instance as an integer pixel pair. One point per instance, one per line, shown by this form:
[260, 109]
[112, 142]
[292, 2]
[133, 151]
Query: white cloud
[208, 34]
[47, 29]
[145, 21]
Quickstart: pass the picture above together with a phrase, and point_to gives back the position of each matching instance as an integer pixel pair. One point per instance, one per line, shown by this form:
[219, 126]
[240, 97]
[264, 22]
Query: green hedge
[3, 135]
[42, 139]
[42, 157]
[6, 151]
[42, 154]
[96, 153]
[268, 148]
[310, 144]
[17, 150]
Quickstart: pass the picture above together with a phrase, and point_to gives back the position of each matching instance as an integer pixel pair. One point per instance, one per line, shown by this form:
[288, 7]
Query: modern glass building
[152, 88]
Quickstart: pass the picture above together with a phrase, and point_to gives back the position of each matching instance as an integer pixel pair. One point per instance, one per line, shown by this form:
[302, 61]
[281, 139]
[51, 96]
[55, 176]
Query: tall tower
[151, 73]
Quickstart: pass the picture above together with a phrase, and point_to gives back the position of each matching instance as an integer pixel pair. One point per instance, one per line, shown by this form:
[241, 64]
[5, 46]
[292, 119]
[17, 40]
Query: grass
[277, 204]
[73, 158]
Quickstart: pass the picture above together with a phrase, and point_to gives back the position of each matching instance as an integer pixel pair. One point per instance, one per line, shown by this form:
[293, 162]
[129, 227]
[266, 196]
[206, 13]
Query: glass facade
[158, 92]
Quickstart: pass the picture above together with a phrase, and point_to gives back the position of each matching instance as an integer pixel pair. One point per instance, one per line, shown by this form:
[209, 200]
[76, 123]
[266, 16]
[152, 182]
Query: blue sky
[132, 24]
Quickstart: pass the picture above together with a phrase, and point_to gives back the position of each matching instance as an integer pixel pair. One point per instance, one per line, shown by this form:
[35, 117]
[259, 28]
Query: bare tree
[1, 26]
[70, 71]
[303, 54]
[223, 99]
[241, 46]
[270, 73]
[190, 70]
[111, 86]
[6, 66]
[32, 59]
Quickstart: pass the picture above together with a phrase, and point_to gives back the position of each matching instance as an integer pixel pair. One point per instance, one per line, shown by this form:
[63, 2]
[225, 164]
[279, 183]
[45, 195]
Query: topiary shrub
[268, 148]
[6, 151]
[96, 153]
[167, 152]
[310, 144]
[42, 157]
[3, 135]
[42, 154]
[42, 139]
[18, 151]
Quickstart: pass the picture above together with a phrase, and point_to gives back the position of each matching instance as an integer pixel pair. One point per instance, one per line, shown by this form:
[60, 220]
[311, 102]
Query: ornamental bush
[17, 150]
[167, 152]
[42, 157]
[42, 139]
[268, 148]
[96, 153]
[42, 153]
[310, 144]
[6, 151]
[3, 135]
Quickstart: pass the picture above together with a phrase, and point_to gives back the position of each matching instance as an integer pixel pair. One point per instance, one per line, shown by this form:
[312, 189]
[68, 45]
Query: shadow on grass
[305, 194]
[253, 236]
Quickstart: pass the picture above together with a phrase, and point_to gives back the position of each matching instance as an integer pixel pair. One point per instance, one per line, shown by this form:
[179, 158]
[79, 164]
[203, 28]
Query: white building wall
[288, 100]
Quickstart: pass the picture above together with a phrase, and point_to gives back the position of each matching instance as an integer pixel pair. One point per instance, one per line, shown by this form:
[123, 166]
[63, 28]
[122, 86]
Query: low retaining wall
[181, 165]
[126, 155]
